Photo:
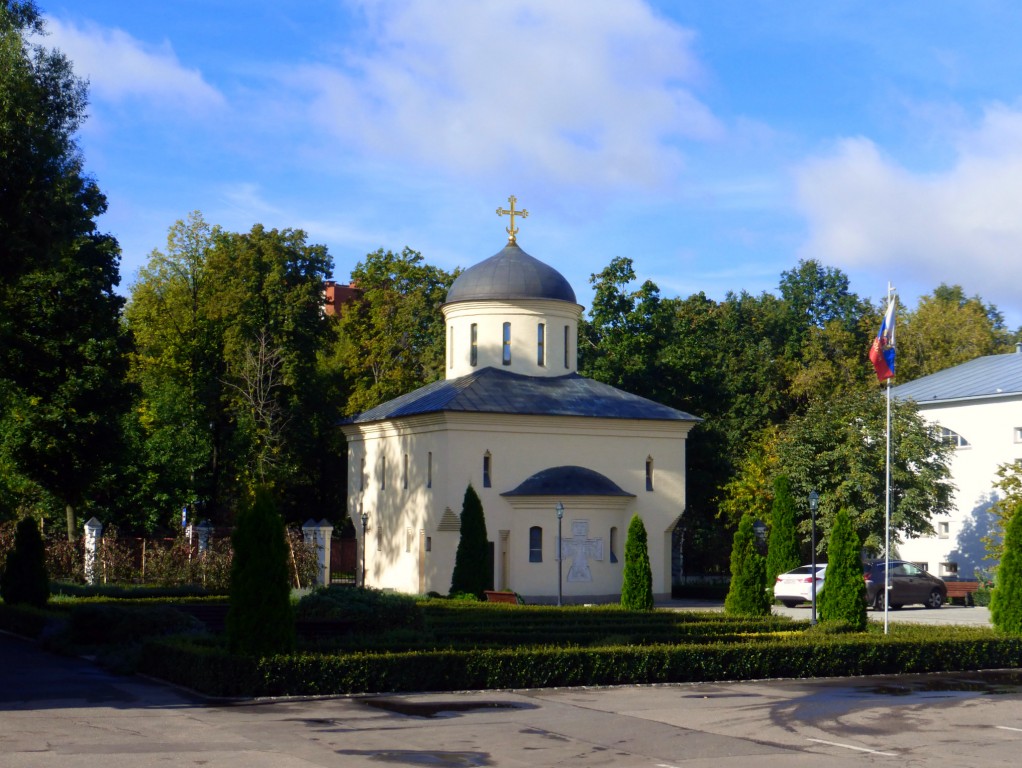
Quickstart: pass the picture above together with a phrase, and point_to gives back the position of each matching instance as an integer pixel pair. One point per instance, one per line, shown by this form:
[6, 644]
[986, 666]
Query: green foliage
[62, 347]
[946, 329]
[471, 561]
[1009, 498]
[364, 611]
[836, 446]
[95, 624]
[748, 594]
[783, 551]
[844, 599]
[764, 653]
[234, 386]
[391, 340]
[1006, 597]
[637, 579]
[24, 579]
[260, 620]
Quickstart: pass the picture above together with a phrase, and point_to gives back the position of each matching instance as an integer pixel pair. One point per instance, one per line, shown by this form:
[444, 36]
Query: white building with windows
[977, 406]
[515, 420]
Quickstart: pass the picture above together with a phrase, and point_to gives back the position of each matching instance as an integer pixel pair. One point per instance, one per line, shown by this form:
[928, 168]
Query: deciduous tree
[62, 347]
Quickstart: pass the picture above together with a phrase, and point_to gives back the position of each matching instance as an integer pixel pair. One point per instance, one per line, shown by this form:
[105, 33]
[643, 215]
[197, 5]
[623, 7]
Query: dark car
[909, 584]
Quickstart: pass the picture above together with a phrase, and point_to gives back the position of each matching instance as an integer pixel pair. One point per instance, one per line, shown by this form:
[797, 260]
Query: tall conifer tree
[471, 562]
[747, 595]
[637, 587]
[844, 598]
[1006, 599]
[782, 546]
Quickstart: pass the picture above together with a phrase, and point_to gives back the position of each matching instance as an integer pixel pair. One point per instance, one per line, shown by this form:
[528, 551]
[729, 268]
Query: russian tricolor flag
[881, 354]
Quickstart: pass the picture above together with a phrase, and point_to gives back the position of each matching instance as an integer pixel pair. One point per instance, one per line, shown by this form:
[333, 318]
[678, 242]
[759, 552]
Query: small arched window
[473, 354]
[535, 544]
[487, 466]
[613, 544]
[649, 473]
[541, 344]
[950, 437]
[567, 335]
[506, 358]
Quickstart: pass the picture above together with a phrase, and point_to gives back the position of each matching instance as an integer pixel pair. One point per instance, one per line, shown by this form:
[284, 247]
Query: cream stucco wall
[523, 318]
[991, 427]
[403, 519]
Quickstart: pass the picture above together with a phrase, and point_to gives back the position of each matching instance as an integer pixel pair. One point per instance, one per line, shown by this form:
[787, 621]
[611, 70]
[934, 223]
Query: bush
[796, 654]
[471, 561]
[747, 595]
[360, 610]
[844, 599]
[637, 580]
[260, 621]
[24, 580]
[1006, 600]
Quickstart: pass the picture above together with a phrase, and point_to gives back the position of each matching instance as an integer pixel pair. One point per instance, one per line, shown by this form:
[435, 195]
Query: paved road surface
[67, 713]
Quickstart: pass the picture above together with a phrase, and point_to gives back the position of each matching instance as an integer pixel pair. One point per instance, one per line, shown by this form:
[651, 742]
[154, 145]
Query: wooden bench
[500, 597]
[962, 590]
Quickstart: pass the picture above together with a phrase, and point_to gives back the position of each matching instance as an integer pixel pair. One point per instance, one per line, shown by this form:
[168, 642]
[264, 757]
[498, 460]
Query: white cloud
[579, 92]
[959, 226]
[120, 67]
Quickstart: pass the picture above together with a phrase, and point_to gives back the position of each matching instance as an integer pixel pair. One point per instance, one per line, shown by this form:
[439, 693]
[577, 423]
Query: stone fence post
[205, 533]
[93, 534]
[318, 535]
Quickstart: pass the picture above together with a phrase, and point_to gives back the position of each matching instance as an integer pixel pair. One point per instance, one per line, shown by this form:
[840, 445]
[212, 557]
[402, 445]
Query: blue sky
[713, 143]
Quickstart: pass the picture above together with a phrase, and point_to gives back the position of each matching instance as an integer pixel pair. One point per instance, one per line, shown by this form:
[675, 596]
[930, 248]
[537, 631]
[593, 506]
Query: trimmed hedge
[216, 673]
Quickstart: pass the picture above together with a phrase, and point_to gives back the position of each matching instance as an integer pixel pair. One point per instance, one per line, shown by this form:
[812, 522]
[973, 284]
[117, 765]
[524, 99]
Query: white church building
[514, 419]
[976, 406]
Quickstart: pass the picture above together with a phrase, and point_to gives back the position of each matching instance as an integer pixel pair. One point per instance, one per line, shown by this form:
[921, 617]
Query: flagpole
[887, 515]
[887, 500]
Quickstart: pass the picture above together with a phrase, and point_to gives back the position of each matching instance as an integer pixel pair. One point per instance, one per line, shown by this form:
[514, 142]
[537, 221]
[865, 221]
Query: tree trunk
[70, 510]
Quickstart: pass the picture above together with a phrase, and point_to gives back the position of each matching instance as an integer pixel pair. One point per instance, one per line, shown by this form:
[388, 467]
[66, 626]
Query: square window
[943, 530]
[1018, 434]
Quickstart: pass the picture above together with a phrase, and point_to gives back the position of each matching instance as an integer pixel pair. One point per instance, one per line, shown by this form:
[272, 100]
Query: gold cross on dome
[512, 230]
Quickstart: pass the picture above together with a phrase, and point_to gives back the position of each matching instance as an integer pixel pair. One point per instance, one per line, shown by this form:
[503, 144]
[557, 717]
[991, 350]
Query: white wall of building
[993, 429]
[403, 519]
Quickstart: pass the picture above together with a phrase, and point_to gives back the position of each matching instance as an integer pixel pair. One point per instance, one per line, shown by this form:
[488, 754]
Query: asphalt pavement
[67, 712]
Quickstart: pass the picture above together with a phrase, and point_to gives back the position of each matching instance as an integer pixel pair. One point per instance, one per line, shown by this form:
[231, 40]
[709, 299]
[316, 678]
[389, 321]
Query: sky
[715, 144]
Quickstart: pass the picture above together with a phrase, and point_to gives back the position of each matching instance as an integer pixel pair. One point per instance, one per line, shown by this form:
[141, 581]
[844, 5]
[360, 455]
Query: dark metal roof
[990, 376]
[568, 481]
[510, 274]
[491, 390]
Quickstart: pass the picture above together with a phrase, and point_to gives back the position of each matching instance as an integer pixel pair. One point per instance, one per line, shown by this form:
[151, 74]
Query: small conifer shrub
[1006, 597]
[24, 578]
[782, 546]
[637, 584]
[747, 595]
[472, 561]
[260, 621]
[844, 599]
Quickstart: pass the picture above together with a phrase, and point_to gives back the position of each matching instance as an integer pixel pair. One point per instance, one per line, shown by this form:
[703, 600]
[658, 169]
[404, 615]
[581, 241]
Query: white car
[796, 586]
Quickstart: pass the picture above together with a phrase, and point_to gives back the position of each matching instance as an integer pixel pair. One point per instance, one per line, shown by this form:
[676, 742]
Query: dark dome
[510, 274]
[568, 481]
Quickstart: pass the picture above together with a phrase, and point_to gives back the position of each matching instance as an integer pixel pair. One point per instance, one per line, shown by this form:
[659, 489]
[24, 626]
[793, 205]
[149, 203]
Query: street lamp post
[365, 522]
[559, 508]
[814, 502]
